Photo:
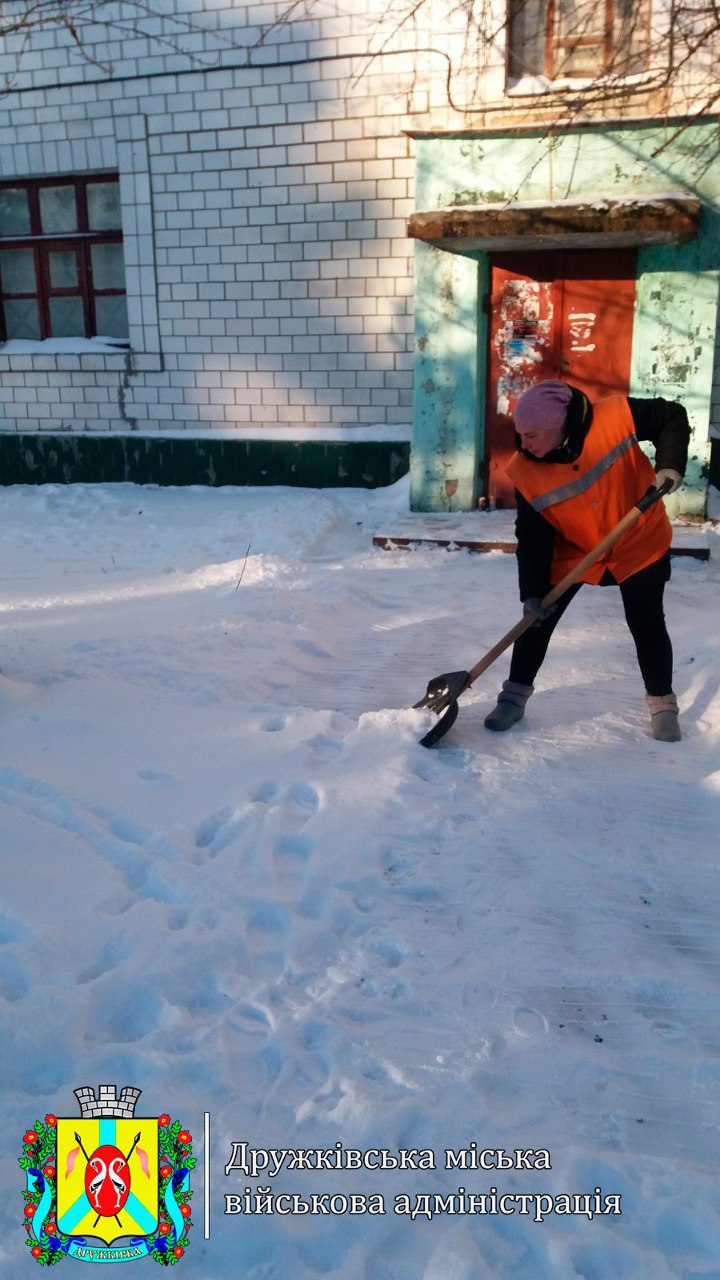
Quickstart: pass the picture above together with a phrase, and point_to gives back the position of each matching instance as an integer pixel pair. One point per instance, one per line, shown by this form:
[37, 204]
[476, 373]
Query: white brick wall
[267, 266]
[267, 269]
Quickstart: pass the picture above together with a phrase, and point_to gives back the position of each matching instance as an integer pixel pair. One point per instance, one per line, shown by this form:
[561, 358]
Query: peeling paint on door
[522, 333]
[553, 314]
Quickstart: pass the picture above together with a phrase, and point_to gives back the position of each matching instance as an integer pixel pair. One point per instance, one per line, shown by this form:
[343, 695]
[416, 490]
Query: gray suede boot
[664, 717]
[510, 706]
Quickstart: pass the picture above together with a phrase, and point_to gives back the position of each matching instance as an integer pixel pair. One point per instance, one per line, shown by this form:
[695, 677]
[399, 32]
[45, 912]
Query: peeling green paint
[467, 195]
[447, 388]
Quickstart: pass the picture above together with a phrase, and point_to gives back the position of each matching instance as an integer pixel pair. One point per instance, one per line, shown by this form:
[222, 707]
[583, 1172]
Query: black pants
[642, 597]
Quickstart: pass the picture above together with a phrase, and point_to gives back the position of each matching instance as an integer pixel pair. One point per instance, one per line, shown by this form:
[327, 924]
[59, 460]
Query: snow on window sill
[529, 86]
[63, 353]
[64, 346]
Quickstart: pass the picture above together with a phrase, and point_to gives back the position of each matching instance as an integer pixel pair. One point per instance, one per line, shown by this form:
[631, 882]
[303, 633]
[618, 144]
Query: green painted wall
[674, 342]
[83, 459]
[677, 290]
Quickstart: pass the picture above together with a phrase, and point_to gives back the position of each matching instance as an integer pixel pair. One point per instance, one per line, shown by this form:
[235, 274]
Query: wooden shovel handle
[561, 587]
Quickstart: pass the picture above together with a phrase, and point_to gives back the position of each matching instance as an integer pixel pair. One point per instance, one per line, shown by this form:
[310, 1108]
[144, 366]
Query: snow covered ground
[232, 878]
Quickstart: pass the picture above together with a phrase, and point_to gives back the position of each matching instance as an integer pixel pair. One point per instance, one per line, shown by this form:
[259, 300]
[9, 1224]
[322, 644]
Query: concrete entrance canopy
[670, 218]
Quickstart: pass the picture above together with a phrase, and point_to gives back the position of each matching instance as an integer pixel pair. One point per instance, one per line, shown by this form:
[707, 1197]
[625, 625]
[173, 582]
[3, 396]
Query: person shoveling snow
[577, 470]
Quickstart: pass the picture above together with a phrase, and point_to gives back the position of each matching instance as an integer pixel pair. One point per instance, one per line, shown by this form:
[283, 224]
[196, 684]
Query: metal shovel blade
[441, 696]
[443, 690]
[439, 730]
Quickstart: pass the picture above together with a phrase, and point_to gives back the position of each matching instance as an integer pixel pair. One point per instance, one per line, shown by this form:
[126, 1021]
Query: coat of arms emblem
[109, 1186]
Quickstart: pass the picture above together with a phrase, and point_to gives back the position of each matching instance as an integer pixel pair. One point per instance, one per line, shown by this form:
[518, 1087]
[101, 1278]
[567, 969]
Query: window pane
[579, 34]
[66, 318]
[631, 36]
[108, 267]
[18, 271]
[578, 18]
[527, 39]
[63, 269]
[14, 212]
[57, 209]
[111, 316]
[21, 318]
[104, 206]
[580, 62]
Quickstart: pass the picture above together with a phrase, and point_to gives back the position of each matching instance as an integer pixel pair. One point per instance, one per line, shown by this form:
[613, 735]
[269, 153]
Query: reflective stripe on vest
[583, 483]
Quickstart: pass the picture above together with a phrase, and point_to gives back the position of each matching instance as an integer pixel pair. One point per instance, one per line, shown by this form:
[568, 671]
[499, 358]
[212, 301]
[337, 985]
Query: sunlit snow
[233, 879]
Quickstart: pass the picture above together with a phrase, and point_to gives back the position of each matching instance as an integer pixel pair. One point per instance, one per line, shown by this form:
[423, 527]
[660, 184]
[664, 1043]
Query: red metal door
[553, 315]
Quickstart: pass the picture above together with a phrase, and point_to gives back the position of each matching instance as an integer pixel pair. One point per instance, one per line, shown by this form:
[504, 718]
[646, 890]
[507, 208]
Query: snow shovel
[443, 692]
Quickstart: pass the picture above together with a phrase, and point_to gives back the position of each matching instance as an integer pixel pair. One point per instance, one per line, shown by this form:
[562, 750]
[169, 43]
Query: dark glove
[533, 605]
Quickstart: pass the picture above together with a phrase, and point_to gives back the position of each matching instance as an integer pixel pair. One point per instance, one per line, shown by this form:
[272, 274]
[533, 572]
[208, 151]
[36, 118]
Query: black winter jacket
[663, 422]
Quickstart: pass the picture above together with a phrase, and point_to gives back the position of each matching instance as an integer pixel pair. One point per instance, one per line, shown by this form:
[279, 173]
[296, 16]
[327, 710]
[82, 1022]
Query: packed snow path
[234, 879]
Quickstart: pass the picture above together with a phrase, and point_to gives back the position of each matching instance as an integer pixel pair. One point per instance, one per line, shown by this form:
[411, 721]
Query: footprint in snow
[249, 1019]
[299, 806]
[528, 1022]
[325, 748]
[266, 792]
[394, 865]
[317, 1051]
[128, 831]
[291, 855]
[177, 919]
[218, 832]
[669, 1030]
[111, 955]
[292, 850]
[274, 724]
[388, 952]
[267, 936]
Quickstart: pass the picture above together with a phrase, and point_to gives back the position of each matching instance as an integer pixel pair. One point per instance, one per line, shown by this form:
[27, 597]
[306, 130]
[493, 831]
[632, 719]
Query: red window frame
[43, 243]
[553, 49]
[556, 48]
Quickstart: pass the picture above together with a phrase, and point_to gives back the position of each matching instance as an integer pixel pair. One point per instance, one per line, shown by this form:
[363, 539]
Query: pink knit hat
[544, 406]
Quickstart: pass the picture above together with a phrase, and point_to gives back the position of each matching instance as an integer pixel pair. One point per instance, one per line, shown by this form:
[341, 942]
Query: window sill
[62, 354]
[541, 86]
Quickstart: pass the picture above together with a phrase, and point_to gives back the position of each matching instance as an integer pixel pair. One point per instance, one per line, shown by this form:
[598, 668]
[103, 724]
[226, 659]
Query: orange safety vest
[583, 500]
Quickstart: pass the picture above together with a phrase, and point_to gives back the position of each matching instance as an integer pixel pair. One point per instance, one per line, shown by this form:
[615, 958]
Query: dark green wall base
[81, 459]
[714, 471]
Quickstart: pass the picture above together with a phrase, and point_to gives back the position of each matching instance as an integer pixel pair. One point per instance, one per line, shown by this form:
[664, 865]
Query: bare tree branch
[630, 59]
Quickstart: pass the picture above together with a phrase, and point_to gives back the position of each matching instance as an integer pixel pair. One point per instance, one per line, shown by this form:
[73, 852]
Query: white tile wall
[264, 229]
[268, 269]
[253, 243]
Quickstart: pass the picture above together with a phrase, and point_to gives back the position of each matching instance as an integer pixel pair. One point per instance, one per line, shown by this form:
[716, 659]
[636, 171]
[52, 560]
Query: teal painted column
[674, 341]
[444, 456]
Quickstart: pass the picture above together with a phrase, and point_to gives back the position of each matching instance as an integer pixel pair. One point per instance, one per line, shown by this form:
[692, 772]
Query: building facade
[205, 267]
[596, 261]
